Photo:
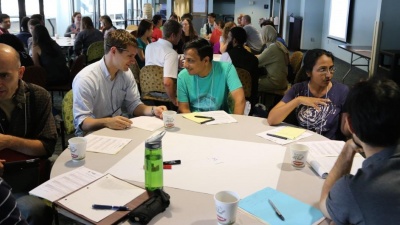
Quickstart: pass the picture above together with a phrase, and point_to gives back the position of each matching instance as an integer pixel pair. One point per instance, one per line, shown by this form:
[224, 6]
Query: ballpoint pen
[118, 208]
[277, 136]
[204, 117]
[276, 210]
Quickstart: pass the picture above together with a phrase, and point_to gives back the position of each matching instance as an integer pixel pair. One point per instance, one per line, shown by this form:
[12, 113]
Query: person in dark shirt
[13, 41]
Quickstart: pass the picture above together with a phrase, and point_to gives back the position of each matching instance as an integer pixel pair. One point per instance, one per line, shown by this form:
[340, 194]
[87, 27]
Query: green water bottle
[153, 162]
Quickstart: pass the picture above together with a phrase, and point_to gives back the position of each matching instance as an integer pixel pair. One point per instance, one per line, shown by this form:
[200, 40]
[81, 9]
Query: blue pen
[118, 208]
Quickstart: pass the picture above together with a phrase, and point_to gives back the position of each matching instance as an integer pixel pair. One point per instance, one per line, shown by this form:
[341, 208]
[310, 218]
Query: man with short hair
[204, 85]
[101, 89]
[161, 53]
[27, 126]
[372, 195]
[209, 26]
[254, 40]
[5, 24]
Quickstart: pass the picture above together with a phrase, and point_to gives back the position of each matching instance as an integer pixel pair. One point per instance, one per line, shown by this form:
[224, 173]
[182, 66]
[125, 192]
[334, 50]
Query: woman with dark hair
[188, 35]
[106, 25]
[87, 36]
[145, 31]
[75, 27]
[49, 55]
[318, 102]
[157, 32]
[24, 35]
[13, 41]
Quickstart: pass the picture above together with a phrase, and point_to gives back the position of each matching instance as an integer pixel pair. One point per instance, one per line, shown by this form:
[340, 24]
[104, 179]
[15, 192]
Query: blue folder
[294, 211]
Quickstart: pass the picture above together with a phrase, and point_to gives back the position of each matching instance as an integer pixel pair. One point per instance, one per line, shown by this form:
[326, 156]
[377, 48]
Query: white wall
[63, 11]
[291, 7]
[361, 30]
[313, 15]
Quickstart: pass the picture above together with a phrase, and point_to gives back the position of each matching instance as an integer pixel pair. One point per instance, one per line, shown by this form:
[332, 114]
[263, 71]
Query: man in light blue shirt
[102, 88]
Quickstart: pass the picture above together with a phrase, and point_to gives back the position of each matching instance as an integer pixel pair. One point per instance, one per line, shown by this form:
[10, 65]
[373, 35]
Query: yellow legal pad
[290, 132]
[191, 116]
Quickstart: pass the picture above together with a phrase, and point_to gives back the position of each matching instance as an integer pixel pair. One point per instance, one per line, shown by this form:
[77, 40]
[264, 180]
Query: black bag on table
[150, 208]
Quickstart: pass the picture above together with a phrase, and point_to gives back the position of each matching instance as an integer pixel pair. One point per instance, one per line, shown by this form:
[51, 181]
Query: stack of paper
[210, 117]
[105, 144]
[293, 210]
[322, 156]
[284, 134]
[149, 123]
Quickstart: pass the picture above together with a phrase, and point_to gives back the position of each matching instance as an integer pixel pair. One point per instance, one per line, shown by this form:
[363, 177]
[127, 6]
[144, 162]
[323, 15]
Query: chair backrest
[136, 72]
[68, 117]
[95, 52]
[295, 61]
[35, 75]
[151, 79]
[77, 66]
[245, 78]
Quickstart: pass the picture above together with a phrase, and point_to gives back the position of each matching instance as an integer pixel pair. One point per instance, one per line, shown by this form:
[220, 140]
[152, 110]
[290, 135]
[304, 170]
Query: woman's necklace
[323, 113]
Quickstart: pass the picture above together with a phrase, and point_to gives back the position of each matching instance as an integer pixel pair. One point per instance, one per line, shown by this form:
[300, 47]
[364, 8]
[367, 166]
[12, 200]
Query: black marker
[205, 117]
[172, 162]
[118, 208]
[277, 136]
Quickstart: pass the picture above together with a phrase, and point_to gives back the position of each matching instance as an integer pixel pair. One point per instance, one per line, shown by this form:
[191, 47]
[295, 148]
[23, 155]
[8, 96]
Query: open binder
[78, 208]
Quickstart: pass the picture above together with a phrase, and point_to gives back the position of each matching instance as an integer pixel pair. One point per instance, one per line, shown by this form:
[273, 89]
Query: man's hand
[158, 110]
[118, 123]
[2, 166]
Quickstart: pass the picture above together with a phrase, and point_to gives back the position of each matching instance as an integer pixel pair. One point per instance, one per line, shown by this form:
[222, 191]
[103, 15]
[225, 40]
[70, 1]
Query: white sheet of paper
[105, 144]
[323, 155]
[149, 123]
[209, 165]
[66, 183]
[107, 190]
[220, 117]
[280, 140]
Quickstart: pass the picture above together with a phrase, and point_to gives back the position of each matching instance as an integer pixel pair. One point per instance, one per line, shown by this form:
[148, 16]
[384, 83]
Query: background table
[194, 208]
[363, 52]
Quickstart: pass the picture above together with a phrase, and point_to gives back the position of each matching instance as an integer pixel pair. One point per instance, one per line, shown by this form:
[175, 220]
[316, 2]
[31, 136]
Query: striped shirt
[9, 213]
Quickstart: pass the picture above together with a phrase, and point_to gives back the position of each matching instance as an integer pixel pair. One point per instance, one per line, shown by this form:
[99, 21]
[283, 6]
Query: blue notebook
[294, 211]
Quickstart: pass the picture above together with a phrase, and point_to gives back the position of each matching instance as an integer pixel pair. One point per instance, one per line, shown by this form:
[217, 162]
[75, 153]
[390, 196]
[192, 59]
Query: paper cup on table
[77, 146]
[226, 203]
[298, 155]
[169, 119]
[72, 36]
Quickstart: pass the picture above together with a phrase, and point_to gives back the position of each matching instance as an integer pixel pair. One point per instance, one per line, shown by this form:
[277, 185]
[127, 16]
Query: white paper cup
[169, 119]
[298, 155]
[56, 36]
[226, 203]
[72, 36]
[77, 146]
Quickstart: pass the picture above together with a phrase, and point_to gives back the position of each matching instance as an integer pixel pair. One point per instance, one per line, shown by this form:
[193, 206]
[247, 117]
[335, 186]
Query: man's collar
[19, 97]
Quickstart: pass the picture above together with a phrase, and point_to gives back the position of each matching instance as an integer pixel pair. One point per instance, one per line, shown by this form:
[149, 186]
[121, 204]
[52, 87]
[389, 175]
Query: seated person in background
[24, 35]
[27, 126]
[5, 24]
[188, 35]
[87, 36]
[204, 84]
[278, 36]
[106, 25]
[274, 60]
[253, 36]
[173, 16]
[371, 196]
[209, 26]
[13, 41]
[240, 57]
[49, 55]
[161, 53]
[216, 35]
[9, 212]
[31, 25]
[239, 20]
[145, 31]
[157, 32]
[187, 15]
[103, 87]
[223, 41]
[318, 102]
[75, 27]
